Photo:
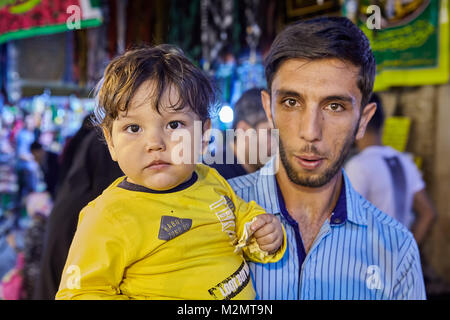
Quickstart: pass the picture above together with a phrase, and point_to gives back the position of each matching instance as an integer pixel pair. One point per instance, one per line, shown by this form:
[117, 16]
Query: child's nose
[155, 146]
[154, 142]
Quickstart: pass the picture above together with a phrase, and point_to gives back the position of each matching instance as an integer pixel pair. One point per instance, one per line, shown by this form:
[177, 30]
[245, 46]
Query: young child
[168, 229]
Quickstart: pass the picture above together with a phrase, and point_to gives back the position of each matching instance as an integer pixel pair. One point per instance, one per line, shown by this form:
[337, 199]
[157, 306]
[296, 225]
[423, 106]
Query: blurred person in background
[72, 145]
[248, 115]
[27, 169]
[49, 164]
[39, 206]
[390, 179]
[19, 281]
[25, 137]
[92, 170]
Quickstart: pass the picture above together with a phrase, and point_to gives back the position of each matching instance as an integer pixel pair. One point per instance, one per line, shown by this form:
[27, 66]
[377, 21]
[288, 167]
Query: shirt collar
[353, 201]
[339, 214]
[266, 186]
[347, 206]
[125, 184]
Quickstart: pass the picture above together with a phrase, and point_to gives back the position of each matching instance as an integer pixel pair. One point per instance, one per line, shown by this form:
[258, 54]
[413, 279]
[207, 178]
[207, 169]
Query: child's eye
[133, 128]
[174, 125]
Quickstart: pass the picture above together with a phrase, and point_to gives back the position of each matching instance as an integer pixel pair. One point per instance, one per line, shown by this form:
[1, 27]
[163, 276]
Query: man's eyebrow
[282, 92]
[292, 93]
[342, 98]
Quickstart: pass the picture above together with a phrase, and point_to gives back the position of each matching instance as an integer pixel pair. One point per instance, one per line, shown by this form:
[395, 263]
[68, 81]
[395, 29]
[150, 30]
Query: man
[390, 179]
[49, 164]
[251, 126]
[320, 75]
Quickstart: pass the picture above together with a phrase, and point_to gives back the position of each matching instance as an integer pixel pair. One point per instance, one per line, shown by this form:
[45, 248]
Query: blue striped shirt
[363, 255]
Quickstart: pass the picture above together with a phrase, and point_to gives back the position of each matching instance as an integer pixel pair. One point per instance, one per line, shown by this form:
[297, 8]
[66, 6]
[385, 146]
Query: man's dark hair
[249, 108]
[376, 123]
[321, 38]
[168, 66]
[36, 146]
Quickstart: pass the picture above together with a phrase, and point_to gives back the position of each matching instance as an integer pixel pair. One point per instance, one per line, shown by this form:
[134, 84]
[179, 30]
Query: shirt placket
[325, 230]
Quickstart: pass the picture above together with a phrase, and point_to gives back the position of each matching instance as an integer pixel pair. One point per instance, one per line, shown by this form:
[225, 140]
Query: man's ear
[366, 115]
[109, 142]
[206, 135]
[265, 99]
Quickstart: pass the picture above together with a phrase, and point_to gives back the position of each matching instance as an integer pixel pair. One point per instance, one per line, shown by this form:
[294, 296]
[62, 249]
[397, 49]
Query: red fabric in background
[47, 12]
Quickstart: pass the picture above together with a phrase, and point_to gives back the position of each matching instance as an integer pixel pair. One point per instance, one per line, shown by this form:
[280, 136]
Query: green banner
[412, 46]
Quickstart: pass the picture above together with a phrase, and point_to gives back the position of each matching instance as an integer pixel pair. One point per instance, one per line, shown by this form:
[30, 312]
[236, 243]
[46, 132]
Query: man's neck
[313, 203]
[309, 207]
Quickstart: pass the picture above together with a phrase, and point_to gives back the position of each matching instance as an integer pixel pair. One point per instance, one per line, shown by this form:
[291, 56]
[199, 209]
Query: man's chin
[316, 178]
[310, 181]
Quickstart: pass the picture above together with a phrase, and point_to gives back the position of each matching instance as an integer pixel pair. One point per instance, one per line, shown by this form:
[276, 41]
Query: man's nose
[311, 122]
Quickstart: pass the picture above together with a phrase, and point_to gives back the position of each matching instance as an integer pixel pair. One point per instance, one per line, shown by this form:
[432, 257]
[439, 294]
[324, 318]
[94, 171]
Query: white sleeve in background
[358, 176]
[413, 175]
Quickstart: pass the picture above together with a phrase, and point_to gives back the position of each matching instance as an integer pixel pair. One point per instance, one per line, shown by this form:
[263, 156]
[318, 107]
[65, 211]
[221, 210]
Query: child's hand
[267, 232]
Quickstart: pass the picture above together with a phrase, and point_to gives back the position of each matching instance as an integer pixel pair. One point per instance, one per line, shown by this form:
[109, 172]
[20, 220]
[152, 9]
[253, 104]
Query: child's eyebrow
[169, 111]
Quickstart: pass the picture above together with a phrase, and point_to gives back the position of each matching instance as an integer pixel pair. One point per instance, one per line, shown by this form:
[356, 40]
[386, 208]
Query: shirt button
[337, 220]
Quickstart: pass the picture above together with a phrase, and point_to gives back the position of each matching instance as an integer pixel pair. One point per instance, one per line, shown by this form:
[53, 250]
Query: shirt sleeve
[409, 278]
[96, 261]
[414, 175]
[358, 177]
[245, 212]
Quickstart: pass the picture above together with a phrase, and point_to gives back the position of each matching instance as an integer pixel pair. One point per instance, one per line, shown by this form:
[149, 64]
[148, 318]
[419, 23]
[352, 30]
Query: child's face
[140, 141]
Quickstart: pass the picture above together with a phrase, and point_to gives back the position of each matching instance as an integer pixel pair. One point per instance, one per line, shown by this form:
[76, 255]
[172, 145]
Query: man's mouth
[309, 162]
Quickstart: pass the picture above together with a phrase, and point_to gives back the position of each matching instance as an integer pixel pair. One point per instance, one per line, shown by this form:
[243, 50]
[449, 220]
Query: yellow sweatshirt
[135, 243]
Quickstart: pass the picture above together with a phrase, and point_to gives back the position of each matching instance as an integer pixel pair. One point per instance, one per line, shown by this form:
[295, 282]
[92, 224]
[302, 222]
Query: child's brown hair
[167, 65]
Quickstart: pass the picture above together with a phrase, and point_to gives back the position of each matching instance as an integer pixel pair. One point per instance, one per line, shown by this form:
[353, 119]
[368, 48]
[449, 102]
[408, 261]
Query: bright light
[226, 114]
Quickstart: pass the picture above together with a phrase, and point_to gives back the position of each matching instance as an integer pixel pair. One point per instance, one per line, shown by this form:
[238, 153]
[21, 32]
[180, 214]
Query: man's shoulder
[244, 181]
[387, 228]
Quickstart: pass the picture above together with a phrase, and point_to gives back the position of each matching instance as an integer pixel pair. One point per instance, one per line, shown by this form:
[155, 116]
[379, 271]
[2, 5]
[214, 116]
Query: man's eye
[134, 128]
[174, 125]
[290, 102]
[335, 107]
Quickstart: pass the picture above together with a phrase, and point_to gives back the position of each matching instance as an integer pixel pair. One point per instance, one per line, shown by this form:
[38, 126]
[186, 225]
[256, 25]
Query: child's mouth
[157, 165]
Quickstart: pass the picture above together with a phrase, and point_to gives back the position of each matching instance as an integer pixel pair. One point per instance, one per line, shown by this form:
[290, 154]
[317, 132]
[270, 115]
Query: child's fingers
[268, 232]
[267, 238]
[260, 221]
[270, 242]
[266, 229]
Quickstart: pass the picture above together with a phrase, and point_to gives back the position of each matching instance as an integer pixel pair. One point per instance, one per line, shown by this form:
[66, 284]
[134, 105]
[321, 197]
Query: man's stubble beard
[327, 176]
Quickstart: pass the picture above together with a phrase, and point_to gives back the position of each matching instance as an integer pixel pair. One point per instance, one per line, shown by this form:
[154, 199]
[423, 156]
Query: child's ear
[206, 135]
[109, 142]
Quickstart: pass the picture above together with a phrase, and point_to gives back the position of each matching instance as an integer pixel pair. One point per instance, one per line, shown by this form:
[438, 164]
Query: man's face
[315, 105]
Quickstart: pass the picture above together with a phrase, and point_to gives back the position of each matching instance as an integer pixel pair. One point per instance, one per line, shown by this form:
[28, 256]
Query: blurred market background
[53, 53]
